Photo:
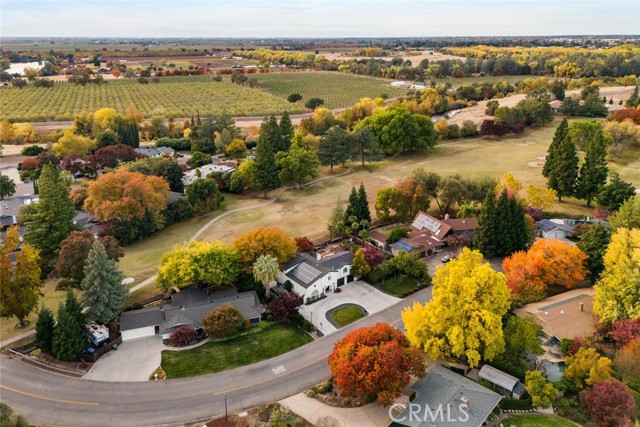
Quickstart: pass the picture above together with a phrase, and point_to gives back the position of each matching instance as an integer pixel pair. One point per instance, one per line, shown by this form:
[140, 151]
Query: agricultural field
[171, 97]
[337, 89]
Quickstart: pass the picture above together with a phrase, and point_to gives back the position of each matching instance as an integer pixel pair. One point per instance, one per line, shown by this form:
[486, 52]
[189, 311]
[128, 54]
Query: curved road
[48, 399]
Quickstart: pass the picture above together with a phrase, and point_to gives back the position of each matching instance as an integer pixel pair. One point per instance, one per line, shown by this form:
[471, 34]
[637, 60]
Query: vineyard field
[171, 97]
[336, 89]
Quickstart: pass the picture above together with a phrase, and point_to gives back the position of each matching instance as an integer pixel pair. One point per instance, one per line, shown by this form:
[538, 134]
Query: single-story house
[427, 236]
[567, 315]
[188, 307]
[444, 398]
[156, 151]
[556, 105]
[561, 228]
[191, 175]
[312, 277]
[506, 384]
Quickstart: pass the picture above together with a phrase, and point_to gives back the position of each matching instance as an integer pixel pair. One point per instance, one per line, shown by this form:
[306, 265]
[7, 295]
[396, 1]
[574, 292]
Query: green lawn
[266, 342]
[336, 89]
[347, 315]
[537, 420]
[398, 286]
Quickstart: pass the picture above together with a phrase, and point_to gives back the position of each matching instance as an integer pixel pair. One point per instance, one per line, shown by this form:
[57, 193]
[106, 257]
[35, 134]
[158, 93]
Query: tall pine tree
[104, 292]
[68, 336]
[270, 130]
[286, 130]
[351, 212]
[363, 212]
[45, 326]
[594, 170]
[485, 236]
[561, 165]
[265, 176]
[51, 221]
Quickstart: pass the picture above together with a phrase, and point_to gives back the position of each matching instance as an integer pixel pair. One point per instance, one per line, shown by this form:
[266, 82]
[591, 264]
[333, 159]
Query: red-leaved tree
[373, 256]
[183, 335]
[285, 307]
[375, 360]
[610, 404]
[305, 245]
[624, 331]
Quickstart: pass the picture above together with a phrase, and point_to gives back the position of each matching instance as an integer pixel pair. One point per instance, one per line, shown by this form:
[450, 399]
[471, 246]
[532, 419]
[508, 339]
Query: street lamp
[226, 417]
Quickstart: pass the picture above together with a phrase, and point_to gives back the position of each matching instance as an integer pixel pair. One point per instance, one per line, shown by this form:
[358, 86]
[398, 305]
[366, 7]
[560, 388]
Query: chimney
[446, 216]
[581, 306]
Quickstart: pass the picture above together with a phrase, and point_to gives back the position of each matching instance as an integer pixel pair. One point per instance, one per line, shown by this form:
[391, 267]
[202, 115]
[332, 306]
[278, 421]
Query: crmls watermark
[419, 413]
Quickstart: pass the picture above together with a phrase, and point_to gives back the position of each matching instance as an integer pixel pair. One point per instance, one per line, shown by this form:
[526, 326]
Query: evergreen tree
[634, 99]
[352, 206]
[45, 326]
[484, 236]
[265, 177]
[51, 220]
[614, 194]
[336, 225]
[102, 285]
[593, 173]
[363, 212]
[334, 147]
[365, 146]
[561, 165]
[286, 130]
[68, 335]
[561, 133]
[270, 131]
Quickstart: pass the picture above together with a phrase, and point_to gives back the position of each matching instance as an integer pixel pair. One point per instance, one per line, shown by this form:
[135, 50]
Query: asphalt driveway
[358, 293]
[133, 361]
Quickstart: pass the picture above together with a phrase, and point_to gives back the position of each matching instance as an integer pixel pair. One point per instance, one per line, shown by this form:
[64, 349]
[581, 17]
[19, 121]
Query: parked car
[97, 334]
[445, 259]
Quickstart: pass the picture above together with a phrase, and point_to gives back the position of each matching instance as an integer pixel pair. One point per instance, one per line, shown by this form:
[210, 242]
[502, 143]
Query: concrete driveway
[358, 292]
[133, 361]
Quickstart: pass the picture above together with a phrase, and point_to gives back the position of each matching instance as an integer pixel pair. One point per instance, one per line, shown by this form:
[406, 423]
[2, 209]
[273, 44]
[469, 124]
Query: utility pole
[226, 416]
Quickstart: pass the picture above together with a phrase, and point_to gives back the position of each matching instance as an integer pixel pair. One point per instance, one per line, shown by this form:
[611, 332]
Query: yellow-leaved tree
[618, 291]
[465, 316]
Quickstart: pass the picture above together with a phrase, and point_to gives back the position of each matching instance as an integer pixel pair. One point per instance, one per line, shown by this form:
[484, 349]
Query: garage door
[350, 278]
[132, 334]
[341, 281]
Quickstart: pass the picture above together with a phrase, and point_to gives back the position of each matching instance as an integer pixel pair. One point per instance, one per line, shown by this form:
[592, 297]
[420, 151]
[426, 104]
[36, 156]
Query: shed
[506, 384]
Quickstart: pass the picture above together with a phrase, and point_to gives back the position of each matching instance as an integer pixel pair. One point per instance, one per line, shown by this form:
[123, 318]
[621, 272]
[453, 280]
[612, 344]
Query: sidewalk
[370, 415]
[17, 338]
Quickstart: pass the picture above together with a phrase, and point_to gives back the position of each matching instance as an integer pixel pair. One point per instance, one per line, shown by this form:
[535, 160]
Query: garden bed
[345, 314]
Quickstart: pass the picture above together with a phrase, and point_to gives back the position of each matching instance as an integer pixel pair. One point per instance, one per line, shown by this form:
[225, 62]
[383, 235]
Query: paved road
[51, 399]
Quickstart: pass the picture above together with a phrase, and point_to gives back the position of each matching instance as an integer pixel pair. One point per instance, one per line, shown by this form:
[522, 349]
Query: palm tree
[265, 269]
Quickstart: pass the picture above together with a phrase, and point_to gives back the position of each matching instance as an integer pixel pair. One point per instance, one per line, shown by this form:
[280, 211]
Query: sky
[315, 18]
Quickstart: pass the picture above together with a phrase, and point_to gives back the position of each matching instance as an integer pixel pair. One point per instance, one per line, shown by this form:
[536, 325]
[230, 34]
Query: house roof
[306, 269]
[461, 224]
[426, 224]
[547, 225]
[567, 315]
[556, 103]
[443, 387]
[155, 151]
[497, 377]
[188, 307]
[11, 205]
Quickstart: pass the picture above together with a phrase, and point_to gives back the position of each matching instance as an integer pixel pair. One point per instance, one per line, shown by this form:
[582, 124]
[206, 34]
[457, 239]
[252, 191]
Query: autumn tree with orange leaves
[264, 241]
[376, 360]
[549, 262]
[126, 195]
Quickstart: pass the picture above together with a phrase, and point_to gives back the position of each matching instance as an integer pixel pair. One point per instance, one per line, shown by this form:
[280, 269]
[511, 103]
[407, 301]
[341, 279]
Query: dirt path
[273, 199]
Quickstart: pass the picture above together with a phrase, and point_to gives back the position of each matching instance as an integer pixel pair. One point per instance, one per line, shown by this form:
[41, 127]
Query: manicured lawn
[398, 286]
[347, 315]
[537, 420]
[264, 343]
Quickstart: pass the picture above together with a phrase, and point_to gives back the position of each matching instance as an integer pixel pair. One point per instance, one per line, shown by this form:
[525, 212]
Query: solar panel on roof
[306, 272]
[423, 221]
[403, 246]
[559, 303]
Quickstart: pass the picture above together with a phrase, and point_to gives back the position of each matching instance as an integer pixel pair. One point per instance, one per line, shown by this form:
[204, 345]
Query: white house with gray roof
[188, 307]
[444, 398]
[312, 278]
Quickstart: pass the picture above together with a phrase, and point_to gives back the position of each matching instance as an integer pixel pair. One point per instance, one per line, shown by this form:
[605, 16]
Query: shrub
[175, 143]
[32, 150]
[397, 234]
[183, 335]
[516, 404]
[311, 393]
[314, 103]
[294, 97]
[223, 322]
[198, 159]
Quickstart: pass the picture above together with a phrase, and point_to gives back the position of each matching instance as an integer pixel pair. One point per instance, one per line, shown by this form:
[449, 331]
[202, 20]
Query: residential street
[50, 399]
